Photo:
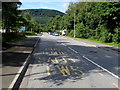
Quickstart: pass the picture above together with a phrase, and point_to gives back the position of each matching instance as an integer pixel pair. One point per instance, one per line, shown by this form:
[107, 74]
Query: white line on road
[64, 44]
[72, 50]
[101, 67]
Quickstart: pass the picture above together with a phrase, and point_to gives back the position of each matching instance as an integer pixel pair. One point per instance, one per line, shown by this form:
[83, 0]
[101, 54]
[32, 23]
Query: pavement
[62, 62]
[13, 57]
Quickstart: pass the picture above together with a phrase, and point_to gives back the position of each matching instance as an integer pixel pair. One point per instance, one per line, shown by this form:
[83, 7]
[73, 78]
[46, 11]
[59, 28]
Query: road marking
[73, 60]
[115, 85]
[64, 60]
[101, 67]
[64, 69]
[72, 50]
[58, 52]
[48, 70]
[62, 52]
[64, 44]
[55, 61]
[49, 59]
[100, 74]
[74, 68]
[55, 53]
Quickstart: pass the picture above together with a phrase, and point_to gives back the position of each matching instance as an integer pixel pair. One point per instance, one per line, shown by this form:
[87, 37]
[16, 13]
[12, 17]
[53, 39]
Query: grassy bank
[112, 43]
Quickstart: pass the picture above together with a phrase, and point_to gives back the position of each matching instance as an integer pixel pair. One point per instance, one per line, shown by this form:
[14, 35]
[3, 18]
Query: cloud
[65, 6]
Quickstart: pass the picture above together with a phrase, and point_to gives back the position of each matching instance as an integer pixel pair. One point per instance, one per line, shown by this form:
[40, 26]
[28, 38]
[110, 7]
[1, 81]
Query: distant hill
[42, 15]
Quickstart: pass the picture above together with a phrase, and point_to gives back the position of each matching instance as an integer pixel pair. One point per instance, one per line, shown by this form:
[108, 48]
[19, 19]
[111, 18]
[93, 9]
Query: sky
[60, 5]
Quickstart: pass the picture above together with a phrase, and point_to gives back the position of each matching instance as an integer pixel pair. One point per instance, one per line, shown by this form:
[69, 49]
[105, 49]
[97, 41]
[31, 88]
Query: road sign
[22, 28]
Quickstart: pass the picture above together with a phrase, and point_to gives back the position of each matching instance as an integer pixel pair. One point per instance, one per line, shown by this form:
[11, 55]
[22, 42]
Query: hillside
[42, 15]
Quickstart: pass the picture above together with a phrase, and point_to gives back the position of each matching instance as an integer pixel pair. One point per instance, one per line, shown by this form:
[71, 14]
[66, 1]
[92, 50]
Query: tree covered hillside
[42, 15]
[90, 20]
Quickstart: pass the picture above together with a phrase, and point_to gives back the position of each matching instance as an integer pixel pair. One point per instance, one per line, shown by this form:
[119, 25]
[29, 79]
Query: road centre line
[72, 50]
[64, 44]
[101, 67]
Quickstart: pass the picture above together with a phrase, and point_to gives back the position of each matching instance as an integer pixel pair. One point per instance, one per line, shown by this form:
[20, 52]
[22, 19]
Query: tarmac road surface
[62, 62]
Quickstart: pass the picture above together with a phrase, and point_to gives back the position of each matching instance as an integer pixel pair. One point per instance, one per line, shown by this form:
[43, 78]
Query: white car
[55, 34]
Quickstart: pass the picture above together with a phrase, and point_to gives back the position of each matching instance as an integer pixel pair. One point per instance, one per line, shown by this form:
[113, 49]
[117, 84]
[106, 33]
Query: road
[62, 62]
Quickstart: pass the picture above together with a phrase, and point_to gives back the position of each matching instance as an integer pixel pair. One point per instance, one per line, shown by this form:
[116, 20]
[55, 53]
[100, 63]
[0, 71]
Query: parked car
[50, 33]
[55, 34]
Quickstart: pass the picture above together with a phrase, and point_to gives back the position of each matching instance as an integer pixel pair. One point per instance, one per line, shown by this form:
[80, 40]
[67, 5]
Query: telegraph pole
[74, 22]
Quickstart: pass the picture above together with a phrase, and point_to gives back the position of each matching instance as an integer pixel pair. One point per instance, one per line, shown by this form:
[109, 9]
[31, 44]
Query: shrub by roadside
[28, 33]
[12, 37]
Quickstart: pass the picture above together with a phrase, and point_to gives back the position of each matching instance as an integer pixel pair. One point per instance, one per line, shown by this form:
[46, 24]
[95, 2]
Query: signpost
[22, 28]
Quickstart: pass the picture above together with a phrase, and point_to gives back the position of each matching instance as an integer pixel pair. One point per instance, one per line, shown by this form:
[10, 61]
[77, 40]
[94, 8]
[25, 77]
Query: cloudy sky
[60, 5]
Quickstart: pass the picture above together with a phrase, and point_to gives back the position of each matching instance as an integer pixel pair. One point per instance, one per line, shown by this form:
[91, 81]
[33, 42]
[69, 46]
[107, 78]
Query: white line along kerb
[72, 50]
[101, 67]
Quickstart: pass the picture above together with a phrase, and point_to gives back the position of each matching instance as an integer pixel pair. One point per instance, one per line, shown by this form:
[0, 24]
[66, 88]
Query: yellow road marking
[64, 69]
[49, 59]
[72, 68]
[48, 70]
[55, 53]
[55, 61]
[64, 60]
[73, 60]
[100, 74]
[75, 69]
[62, 52]
[115, 85]
[58, 52]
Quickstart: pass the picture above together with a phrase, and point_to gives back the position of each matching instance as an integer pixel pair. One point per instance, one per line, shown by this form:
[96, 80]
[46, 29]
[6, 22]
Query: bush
[115, 37]
[30, 33]
[82, 31]
[71, 33]
[12, 35]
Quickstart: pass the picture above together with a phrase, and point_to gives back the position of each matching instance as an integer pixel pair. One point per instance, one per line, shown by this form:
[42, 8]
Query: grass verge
[30, 34]
[112, 43]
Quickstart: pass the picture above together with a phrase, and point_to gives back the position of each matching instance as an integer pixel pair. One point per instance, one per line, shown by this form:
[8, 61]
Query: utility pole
[74, 22]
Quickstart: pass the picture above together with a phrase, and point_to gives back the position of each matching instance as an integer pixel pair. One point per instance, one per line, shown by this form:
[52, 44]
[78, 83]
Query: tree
[10, 15]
